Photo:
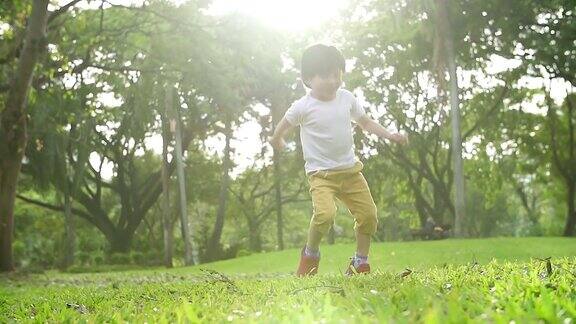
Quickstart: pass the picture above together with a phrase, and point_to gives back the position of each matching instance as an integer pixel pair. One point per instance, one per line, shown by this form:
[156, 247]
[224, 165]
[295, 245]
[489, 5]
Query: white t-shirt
[326, 130]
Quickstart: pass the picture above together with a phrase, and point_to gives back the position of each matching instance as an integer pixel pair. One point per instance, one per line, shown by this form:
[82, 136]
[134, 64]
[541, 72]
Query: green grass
[492, 280]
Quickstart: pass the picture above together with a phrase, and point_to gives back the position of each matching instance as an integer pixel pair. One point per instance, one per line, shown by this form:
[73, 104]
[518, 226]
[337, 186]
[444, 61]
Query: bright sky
[286, 15]
[291, 15]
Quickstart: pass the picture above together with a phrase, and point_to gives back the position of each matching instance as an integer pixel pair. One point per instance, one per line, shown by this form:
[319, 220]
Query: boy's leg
[314, 238]
[322, 191]
[324, 209]
[362, 244]
[355, 194]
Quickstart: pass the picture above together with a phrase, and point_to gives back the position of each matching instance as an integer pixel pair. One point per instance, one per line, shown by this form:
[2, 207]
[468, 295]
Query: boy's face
[326, 85]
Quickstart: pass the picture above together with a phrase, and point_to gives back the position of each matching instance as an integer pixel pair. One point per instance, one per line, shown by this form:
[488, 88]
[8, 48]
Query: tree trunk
[70, 239]
[8, 179]
[276, 116]
[446, 37]
[255, 241]
[168, 234]
[120, 243]
[13, 127]
[571, 216]
[186, 231]
[571, 170]
[278, 202]
[213, 248]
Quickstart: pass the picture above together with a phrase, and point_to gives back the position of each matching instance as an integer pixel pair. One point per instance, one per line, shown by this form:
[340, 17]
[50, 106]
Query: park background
[134, 137]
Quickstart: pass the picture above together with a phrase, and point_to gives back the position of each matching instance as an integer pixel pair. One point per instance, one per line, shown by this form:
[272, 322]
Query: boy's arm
[371, 126]
[277, 140]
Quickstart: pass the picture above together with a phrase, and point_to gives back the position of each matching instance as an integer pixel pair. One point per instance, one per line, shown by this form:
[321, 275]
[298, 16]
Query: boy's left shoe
[308, 264]
[363, 268]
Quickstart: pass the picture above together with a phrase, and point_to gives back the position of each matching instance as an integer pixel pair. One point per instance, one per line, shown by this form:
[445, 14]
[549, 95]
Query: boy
[324, 116]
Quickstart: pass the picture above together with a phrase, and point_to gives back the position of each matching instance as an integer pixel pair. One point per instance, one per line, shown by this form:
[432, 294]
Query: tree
[129, 71]
[253, 192]
[400, 64]
[213, 250]
[446, 42]
[13, 133]
[561, 123]
[541, 35]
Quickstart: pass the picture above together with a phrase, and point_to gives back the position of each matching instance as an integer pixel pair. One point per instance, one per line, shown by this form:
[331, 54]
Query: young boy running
[325, 118]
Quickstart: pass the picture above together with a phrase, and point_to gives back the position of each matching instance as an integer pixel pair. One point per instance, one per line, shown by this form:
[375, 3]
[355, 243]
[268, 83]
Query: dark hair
[321, 60]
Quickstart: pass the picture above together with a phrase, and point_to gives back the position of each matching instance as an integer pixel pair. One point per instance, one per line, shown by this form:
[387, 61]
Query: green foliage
[224, 68]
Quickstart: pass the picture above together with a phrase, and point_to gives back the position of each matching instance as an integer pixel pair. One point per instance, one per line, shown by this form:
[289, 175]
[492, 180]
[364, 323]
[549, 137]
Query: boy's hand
[399, 138]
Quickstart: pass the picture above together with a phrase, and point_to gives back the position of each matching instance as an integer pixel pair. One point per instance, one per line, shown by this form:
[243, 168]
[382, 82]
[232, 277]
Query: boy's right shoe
[363, 268]
[308, 265]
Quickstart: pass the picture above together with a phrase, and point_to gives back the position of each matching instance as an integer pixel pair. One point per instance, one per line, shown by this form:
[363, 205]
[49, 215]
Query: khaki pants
[350, 187]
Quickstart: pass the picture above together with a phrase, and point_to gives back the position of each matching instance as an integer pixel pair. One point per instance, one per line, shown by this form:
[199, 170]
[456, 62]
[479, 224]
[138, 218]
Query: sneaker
[363, 268]
[308, 265]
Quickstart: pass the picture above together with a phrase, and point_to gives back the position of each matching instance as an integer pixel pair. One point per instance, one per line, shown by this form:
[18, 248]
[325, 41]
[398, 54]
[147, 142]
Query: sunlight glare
[288, 15]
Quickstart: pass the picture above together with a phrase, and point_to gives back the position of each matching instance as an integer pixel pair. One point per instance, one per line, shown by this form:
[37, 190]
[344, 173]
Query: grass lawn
[490, 280]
